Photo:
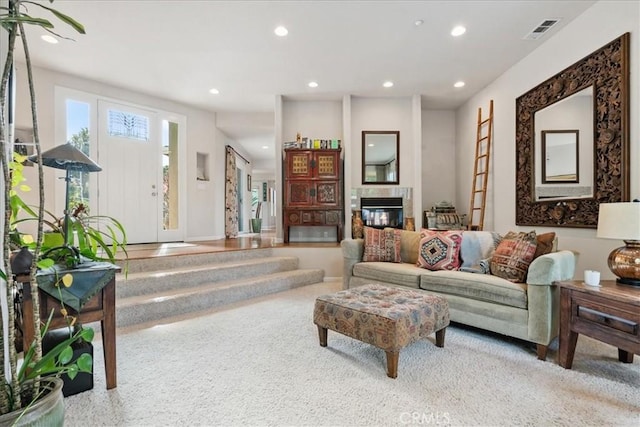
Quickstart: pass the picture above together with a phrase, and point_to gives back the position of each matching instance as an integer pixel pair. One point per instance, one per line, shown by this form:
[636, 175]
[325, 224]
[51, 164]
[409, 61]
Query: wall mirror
[380, 157]
[592, 97]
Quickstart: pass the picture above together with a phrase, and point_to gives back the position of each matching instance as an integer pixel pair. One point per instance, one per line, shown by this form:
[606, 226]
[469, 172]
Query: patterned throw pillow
[440, 250]
[381, 245]
[513, 255]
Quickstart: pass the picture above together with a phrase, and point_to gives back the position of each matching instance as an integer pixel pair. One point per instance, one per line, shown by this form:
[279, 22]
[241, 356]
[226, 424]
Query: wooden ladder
[481, 170]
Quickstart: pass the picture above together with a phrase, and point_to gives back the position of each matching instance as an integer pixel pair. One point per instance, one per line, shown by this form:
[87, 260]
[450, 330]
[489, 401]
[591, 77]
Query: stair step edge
[204, 267]
[135, 265]
[203, 288]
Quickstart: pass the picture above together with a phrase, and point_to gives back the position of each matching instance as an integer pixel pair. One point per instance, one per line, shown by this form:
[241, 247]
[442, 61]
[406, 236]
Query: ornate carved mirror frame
[607, 70]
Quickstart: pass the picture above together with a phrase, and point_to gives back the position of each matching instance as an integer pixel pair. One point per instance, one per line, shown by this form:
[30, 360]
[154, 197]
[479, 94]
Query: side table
[97, 307]
[609, 313]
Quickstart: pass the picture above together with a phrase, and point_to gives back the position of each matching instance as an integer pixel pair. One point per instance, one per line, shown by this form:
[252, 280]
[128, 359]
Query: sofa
[527, 310]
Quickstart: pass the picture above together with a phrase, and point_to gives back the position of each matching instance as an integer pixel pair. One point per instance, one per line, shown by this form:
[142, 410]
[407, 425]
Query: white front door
[130, 153]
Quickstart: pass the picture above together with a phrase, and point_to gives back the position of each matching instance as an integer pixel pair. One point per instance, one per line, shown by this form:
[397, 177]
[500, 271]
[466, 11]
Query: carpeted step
[152, 307]
[138, 265]
[191, 275]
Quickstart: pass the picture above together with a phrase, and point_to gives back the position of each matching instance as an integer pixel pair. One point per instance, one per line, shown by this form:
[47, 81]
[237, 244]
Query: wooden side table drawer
[608, 320]
[605, 315]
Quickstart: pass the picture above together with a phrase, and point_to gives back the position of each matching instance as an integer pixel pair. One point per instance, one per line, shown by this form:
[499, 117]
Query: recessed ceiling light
[371, 145]
[281, 31]
[214, 91]
[387, 84]
[264, 147]
[313, 84]
[419, 22]
[458, 31]
[458, 84]
[49, 39]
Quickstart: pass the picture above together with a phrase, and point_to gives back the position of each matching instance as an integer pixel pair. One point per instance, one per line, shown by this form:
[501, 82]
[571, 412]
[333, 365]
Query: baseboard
[202, 238]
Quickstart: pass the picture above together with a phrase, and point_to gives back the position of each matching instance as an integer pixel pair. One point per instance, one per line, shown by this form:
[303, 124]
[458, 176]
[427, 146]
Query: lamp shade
[67, 157]
[619, 221]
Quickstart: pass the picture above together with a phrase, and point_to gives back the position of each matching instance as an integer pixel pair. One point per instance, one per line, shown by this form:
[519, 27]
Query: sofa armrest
[352, 250]
[552, 267]
[544, 298]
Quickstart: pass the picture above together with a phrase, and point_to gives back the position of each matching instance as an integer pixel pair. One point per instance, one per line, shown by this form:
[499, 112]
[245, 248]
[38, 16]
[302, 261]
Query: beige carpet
[259, 363]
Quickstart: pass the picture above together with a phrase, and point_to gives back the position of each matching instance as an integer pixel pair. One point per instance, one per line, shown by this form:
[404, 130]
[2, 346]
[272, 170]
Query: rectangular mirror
[560, 154]
[380, 157]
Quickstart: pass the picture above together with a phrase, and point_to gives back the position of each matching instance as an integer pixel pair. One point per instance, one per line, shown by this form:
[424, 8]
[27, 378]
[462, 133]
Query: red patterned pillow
[513, 255]
[440, 250]
[381, 245]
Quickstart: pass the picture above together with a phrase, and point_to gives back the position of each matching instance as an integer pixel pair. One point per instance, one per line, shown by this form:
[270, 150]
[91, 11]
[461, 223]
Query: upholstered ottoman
[387, 317]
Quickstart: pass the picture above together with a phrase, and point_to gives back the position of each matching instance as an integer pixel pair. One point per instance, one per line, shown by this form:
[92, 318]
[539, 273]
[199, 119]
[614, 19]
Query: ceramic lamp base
[624, 262]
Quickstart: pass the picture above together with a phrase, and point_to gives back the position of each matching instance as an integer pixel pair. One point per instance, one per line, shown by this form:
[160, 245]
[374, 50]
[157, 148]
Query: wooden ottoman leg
[392, 363]
[440, 337]
[322, 333]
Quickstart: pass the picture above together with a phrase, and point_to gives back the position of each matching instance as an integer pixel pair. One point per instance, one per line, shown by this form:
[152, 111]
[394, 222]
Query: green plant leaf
[61, 16]
[72, 370]
[85, 362]
[45, 263]
[87, 334]
[26, 19]
[66, 355]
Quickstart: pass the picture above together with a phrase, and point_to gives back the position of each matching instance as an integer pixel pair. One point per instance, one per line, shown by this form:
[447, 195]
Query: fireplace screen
[381, 212]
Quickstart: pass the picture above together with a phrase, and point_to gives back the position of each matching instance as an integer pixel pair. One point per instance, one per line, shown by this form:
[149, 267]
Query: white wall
[439, 173]
[602, 23]
[382, 114]
[313, 119]
[202, 136]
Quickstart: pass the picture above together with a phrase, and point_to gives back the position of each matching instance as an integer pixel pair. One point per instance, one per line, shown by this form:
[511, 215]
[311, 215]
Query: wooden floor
[243, 242]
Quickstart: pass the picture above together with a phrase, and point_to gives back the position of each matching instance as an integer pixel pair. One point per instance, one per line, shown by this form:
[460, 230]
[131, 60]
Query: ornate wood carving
[607, 70]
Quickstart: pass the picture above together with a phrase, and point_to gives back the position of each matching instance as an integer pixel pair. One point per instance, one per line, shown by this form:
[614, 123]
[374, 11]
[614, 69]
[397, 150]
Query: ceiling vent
[541, 29]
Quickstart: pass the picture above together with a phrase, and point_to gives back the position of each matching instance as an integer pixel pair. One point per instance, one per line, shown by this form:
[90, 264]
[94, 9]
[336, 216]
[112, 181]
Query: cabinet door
[312, 217]
[333, 218]
[300, 193]
[326, 165]
[300, 164]
[327, 194]
[292, 217]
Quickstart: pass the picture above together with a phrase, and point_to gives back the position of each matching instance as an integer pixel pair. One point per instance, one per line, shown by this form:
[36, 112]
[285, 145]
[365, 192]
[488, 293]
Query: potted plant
[256, 221]
[96, 237]
[27, 392]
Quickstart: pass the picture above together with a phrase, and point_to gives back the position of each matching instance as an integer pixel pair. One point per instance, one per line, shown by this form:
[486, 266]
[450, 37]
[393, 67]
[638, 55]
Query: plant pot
[21, 261]
[256, 224]
[83, 380]
[48, 411]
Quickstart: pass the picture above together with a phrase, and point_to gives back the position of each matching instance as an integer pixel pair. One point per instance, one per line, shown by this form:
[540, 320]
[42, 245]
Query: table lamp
[622, 221]
[69, 158]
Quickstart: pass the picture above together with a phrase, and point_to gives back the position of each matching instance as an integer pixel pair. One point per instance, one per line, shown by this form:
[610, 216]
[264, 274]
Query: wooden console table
[609, 313]
[99, 307]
